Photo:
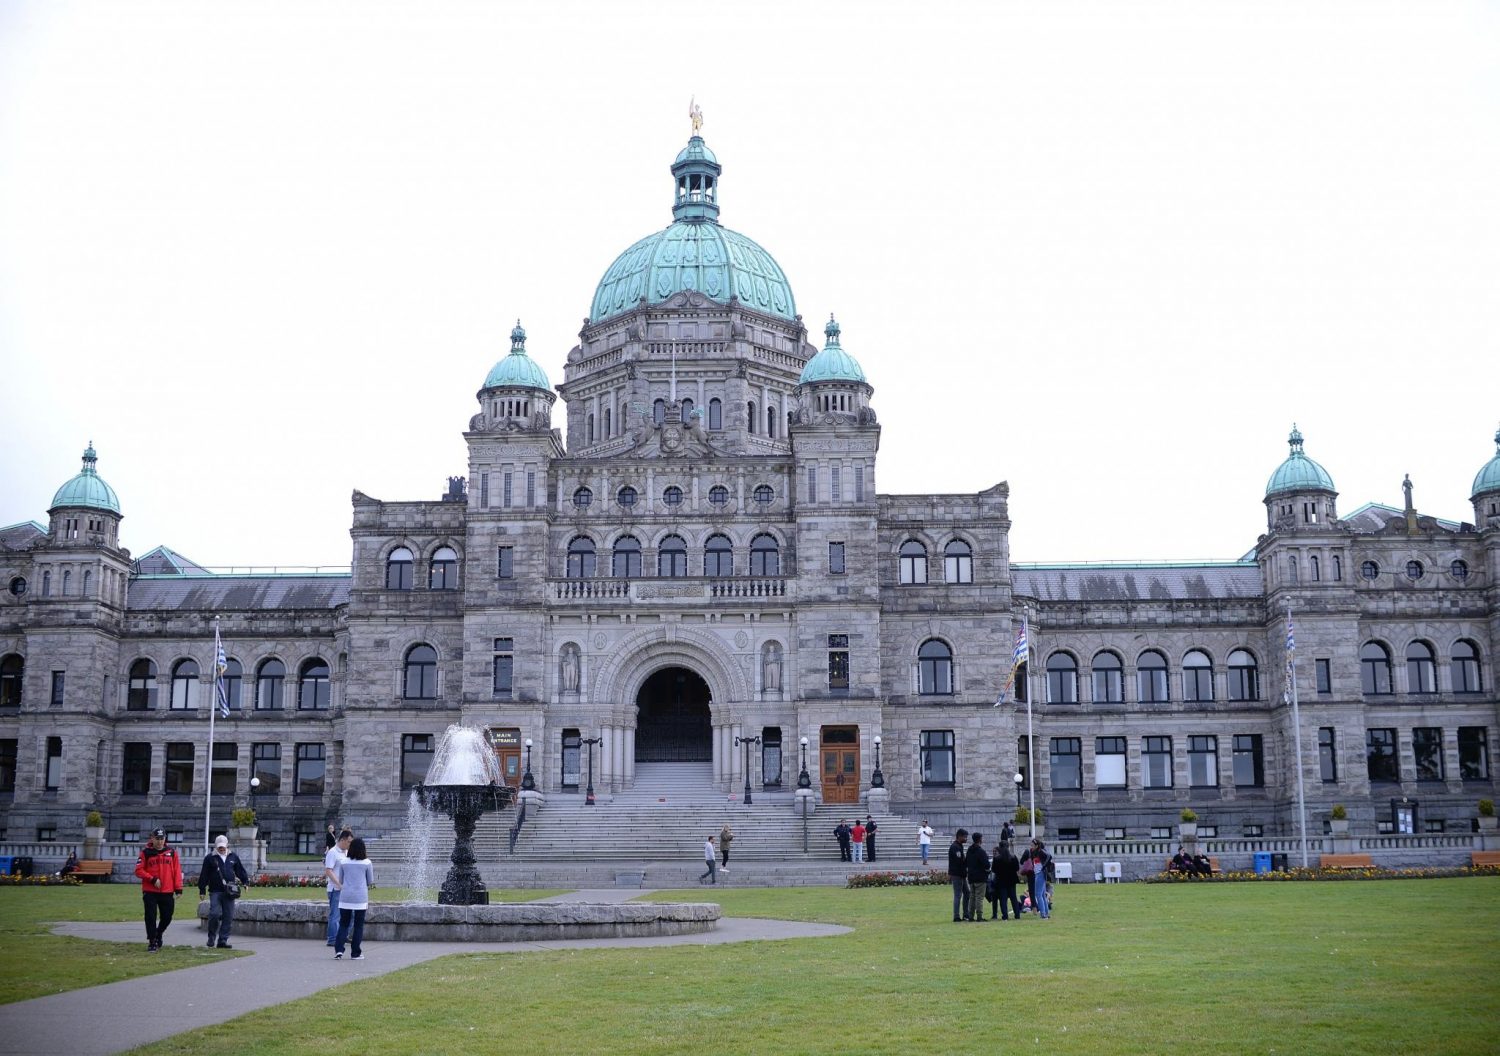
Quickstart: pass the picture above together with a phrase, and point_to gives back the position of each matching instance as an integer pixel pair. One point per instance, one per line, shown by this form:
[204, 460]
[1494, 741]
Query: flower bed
[925, 878]
[267, 880]
[1323, 874]
[39, 880]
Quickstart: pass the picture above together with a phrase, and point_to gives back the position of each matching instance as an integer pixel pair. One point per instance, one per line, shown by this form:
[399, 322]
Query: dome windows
[672, 496]
[1369, 570]
[627, 497]
[764, 495]
[583, 498]
[1459, 570]
[1414, 570]
[718, 495]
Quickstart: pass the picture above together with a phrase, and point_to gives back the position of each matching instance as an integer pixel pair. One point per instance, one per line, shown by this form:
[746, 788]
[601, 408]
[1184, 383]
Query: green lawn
[1346, 968]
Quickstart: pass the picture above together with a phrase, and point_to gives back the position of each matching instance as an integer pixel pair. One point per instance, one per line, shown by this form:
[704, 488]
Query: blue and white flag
[221, 665]
[1018, 656]
[1291, 655]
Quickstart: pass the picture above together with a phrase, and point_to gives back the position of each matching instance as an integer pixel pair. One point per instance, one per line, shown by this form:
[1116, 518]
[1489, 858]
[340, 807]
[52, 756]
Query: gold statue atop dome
[695, 114]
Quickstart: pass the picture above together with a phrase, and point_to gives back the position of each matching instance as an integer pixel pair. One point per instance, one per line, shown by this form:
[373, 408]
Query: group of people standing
[350, 875]
[857, 841]
[977, 877]
[221, 878]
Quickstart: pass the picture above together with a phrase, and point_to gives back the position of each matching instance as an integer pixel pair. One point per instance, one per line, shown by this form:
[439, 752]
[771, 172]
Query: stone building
[704, 559]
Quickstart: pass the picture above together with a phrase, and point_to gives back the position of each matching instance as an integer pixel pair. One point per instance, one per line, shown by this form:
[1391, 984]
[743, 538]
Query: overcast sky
[265, 254]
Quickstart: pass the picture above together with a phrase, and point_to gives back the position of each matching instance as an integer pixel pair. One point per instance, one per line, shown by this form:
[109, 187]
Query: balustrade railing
[660, 588]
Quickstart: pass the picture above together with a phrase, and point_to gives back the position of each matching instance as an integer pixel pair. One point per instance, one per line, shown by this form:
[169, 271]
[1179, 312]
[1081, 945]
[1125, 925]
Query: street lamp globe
[255, 782]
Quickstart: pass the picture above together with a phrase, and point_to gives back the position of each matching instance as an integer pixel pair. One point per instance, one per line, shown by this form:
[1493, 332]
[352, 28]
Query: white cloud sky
[264, 254]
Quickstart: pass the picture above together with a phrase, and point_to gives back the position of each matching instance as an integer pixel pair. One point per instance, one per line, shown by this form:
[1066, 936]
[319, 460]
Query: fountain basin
[506, 922]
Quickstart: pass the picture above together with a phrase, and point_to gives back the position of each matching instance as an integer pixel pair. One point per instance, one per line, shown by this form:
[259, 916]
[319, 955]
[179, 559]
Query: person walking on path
[336, 854]
[710, 864]
[958, 874]
[857, 838]
[1007, 875]
[1034, 868]
[977, 868]
[354, 876]
[870, 829]
[160, 870]
[726, 837]
[924, 840]
[841, 833]
[219, 876]
[1007, 833]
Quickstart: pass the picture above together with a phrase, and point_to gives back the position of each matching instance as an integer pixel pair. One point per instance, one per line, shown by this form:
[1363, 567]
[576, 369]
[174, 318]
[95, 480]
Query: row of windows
[179, 768]
[312, 685]
[1383, 762]
[718, 495]
[1108, 677]
[606, 421]
[672, 557]
[1375, 668]
[442, 571]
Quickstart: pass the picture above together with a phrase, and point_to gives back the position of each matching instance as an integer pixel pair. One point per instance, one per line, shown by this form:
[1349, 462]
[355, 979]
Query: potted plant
[1487, 817]
[1338, 820]
[1023, 821]
[93, 833]
[1189, 826]
[243, 820]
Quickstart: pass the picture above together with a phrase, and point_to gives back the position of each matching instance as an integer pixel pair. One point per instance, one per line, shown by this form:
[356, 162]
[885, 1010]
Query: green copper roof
[695, 253]
[833, 363]
[87, 489]
[517, 370]
[1488, 478]
[1298, 472]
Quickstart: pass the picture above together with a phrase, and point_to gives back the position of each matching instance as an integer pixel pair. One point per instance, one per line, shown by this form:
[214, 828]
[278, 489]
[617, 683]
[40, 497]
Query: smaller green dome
[833, 363]
[1298, 472]
[1488, 478]
[517, 370]
[696, 150]
[87, 489]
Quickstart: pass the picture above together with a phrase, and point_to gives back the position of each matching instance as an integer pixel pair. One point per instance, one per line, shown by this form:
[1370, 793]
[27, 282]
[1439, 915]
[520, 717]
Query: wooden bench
[1213, 867]
[1479, 858]
[94, 869]
[1346, 861]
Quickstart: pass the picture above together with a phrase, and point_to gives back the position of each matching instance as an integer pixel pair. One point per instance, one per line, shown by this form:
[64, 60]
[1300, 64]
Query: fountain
[463, 783]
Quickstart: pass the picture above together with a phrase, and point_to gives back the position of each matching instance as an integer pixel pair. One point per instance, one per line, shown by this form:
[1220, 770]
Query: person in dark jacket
[841, 833]
[977, 868]
[958, 873]
[870, 829]
[220, 868]
[1037, 855]
[160, 870]
[1007, 874]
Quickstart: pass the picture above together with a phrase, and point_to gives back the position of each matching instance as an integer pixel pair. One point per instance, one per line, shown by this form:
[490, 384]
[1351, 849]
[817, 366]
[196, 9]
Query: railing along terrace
[609, 589]
[685, 348]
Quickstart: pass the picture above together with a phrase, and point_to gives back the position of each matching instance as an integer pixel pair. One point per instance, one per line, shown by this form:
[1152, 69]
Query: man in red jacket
[160, 870]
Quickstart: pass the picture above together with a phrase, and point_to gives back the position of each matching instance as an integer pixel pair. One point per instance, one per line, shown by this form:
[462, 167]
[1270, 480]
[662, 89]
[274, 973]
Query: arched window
[718, 556]
[671, 557]
[958, 562]
[913, 562]
[934, 669]
[1421, 668]
[1062, 679]
[12, 678]
[715, 414]
[1338, 568]
[718, 495]
[1374, 669]
[419, 679]
[672, 496]
[607, 423]
[1466, 667]
[625, 562]
[750, 415]
[312, 685]
[765, 556]
[398, 569]
[582, 498]
[1244, 679]
[582, 561]
[1151, 677]
[269, 680]
[443, 575]
[1109, 679]
[1197, 676]
[764, 495]
[771, 421]
[1314, 568]
[88, 582]
[687, 409]
[67, 581]
[659, 411]
[591, 428]
[184, 685]
[234, 678]
[142, 692]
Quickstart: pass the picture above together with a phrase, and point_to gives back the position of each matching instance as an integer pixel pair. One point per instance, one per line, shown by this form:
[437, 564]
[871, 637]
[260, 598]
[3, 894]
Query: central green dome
[87, 489]
[1488, 477]
[695, 253]
[1298, 472]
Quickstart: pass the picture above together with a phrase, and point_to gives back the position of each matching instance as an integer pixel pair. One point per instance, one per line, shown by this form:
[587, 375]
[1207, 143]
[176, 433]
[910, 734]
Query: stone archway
[673, 723]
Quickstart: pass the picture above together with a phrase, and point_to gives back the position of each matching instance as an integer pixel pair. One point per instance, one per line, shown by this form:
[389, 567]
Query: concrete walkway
[120, 1016]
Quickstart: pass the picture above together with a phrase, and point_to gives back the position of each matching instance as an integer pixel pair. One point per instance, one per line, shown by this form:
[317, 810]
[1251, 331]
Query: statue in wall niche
[570, 668]
[771, 668]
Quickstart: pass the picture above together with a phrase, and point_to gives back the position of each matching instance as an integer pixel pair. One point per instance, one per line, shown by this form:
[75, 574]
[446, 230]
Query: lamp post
[1020, 780]
[803, 779]
[877, 779]
[528, 783]
[588, 795]
[747, 742]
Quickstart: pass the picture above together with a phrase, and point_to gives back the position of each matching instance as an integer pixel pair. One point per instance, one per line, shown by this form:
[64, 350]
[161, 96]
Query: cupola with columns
[1300, 495]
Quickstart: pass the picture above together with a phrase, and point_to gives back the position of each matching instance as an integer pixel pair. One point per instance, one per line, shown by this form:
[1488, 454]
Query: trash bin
[23, 866]
[1278, 863]
[7, 864]
[1262, 861]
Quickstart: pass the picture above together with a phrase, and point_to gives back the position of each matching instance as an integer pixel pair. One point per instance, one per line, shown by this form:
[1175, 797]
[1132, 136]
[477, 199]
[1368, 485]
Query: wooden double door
[839, 751]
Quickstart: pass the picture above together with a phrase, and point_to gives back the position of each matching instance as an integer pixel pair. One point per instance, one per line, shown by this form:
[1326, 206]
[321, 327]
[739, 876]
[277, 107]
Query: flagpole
[208, 763]
[1030, 739]
[1291, 668]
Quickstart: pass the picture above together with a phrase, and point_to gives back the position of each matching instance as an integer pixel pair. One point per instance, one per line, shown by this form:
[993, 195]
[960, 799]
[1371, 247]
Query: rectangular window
[484, 491]
[1203, 761]
[1380, 754]
[1114, 834]
[54, 763]
[265, 766]
[1324, 669]
[835, 492]
[8, 746]
[505, 489]
[1473, 753]
[177, 776]
[1427, 752]
[836, 559]
[310, 768]
[1109, 762]
[1434, 825]
[46, 834]
[504, 667]
[1068, 834]
[505, 562]
[308, 842]
[531, 487]
[59, 678]
[859, 483]
[1161, 832]
[1067, 763]
[130, 835]
[1156, 762]
[1208, 832]
[1023, 762]
[136, 768]
[1253, 831]
[572, 758]
[1249, 761]
[416, 757]
[937, 758]
[226, 761]
[812, 483]
[838, 661]
[1328, 766]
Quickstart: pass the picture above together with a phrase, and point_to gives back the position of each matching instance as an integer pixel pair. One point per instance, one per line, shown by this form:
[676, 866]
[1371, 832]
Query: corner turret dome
[695, 253]
[87, 489]
[832, 363]
[1488, 478]
[1298, 472]
[517, 370]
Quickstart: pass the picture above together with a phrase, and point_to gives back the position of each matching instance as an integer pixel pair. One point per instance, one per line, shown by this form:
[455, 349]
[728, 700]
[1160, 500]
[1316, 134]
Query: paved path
[120, 1016]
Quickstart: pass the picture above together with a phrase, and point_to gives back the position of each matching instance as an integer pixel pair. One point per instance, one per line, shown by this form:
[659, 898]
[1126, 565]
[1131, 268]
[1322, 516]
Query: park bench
[94, 869]
[1213, 866]
[1480, 858]
[1346, 861]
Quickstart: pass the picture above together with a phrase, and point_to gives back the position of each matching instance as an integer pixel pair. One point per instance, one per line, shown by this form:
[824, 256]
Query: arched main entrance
[672, 721]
